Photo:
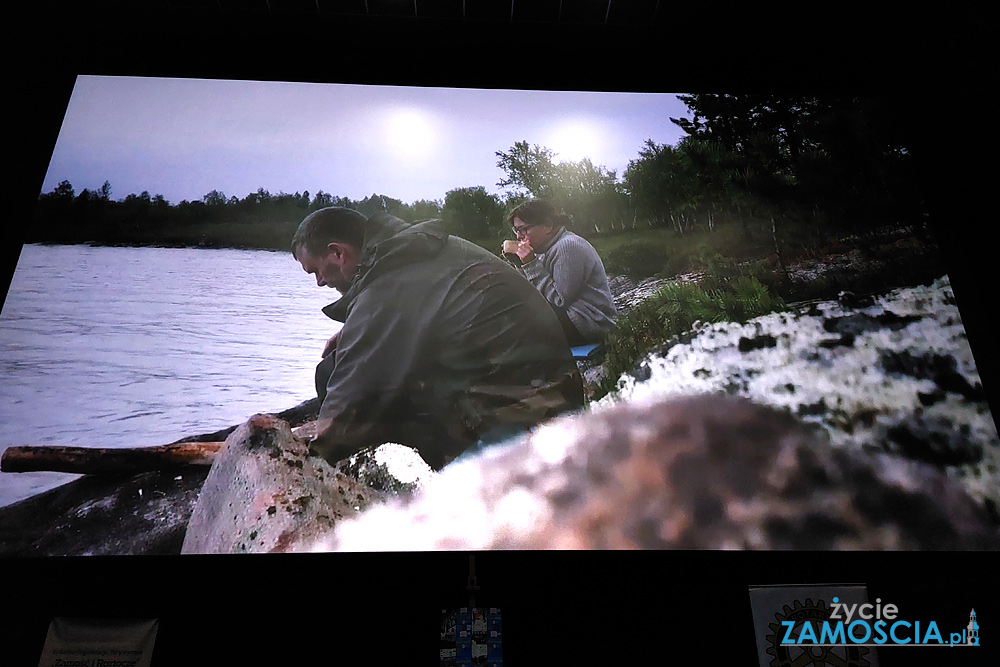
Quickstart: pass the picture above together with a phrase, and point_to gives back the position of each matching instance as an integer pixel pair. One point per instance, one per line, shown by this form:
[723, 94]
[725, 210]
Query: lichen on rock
[268, 493]
[896, 376]
[391, 467]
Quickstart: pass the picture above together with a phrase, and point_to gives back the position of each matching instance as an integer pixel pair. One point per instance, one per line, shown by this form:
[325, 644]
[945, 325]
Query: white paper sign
[99, 642]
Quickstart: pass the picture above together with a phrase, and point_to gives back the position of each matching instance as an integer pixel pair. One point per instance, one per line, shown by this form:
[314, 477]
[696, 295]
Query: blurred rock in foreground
[709, 472]
[891, 374]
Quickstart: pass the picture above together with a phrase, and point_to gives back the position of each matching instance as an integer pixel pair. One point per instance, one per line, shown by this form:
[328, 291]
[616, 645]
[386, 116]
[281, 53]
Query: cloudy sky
[183, 138]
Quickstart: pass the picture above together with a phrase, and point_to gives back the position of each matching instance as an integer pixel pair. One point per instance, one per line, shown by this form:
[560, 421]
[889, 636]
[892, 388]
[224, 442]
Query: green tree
[376, 203]
[591, 195]
[529, 169]
[474, 214]
[215, 198]
[64, 190]
[423, 209]
[846, 155]
[53, 216]
[653, 181]
[258, 197]
[321, 200]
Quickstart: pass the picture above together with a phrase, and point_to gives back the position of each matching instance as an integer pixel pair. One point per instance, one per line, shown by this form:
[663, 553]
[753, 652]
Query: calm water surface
[124, 347]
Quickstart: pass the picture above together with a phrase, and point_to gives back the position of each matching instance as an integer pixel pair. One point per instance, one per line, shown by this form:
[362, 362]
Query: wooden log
[105, 460]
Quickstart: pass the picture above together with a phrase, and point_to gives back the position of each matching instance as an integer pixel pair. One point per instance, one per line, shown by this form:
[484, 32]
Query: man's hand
[331, 345]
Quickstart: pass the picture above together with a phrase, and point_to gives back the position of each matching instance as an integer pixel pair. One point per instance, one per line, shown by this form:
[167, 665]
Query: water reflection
[141, 346]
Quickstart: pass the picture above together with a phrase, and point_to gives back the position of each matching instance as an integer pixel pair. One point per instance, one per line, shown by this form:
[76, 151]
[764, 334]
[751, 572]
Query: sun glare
[574, 140]
[409, 132]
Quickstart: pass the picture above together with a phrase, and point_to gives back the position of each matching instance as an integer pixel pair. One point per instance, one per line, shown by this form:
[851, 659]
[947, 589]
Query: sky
[183, 138]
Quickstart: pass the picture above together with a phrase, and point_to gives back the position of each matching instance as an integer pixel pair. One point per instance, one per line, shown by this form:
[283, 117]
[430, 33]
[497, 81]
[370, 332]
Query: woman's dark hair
[538, 212]
[333, 224]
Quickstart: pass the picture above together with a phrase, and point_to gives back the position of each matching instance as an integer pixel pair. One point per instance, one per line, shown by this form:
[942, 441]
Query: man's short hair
[333, 224]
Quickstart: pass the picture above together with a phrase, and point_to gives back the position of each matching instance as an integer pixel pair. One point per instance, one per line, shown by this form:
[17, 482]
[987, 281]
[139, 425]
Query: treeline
[830, 162]
[839, 162]
[258, 220]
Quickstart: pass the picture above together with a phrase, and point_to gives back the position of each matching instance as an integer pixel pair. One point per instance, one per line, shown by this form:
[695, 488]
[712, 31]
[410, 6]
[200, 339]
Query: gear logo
[803, 655]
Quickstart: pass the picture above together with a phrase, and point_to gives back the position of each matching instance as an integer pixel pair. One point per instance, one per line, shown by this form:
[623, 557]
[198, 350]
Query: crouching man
[444, 347]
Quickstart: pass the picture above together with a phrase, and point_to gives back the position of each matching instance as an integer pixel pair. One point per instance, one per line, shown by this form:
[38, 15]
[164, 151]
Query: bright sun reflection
[574, 140]
[408, 132]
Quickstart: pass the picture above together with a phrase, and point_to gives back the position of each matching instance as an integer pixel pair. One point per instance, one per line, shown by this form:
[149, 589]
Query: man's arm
[331, 344]
[376, 352]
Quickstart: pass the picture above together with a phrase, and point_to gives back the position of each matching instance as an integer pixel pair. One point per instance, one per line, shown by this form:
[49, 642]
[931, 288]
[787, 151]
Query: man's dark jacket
[443, 343]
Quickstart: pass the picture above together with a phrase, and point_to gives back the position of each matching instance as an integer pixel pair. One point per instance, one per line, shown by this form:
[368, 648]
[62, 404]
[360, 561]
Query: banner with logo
[840, 625]
[99, 642]
[782, 613]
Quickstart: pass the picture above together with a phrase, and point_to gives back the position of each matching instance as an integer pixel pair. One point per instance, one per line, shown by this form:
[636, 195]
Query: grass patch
[637, 259]
[672, 312]
[665, 253]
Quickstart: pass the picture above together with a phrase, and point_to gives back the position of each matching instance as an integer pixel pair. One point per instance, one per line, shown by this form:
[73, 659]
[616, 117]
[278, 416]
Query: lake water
[124, 347]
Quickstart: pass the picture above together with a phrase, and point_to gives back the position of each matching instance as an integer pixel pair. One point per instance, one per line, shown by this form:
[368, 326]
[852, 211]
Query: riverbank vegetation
[673, 310]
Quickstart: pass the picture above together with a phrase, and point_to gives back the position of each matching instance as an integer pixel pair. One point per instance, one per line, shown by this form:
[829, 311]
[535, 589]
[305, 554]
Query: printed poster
[99, 642]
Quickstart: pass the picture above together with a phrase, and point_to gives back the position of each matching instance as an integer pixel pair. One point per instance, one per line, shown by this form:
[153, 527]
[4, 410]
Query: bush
[636, 259]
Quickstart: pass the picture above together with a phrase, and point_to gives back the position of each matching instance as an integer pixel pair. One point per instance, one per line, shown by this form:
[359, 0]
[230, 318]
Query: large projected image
[256, 317]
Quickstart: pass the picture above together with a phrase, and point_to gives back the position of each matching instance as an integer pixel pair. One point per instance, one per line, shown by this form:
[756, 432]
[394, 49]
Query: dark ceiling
[607, 12]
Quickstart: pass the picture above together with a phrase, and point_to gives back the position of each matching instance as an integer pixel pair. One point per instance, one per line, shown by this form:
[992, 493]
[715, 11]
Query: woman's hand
[525, 252]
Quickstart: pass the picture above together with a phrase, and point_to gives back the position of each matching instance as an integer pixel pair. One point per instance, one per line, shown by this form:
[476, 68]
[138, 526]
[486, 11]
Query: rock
[629, 293]
[104, 515]
[391, 468]
[148, 513]
[122, 514]
[709, 472]
[267, 493]
[896, 376]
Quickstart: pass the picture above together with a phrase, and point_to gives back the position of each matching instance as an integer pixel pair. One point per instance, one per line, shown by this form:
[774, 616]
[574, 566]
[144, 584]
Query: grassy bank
[747, 271]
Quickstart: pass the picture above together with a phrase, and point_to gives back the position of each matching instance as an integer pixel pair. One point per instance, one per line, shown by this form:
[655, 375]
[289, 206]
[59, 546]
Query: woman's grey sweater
[570, 275]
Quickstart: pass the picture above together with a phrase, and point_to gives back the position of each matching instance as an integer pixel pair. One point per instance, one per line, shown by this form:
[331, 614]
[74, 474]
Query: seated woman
[565, 268]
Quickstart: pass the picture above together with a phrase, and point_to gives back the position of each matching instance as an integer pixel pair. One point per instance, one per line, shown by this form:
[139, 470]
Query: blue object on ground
[581, 352]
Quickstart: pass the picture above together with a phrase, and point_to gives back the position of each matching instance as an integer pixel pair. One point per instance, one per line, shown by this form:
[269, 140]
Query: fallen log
[116, 460]
[97, 460]
[117, 514]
